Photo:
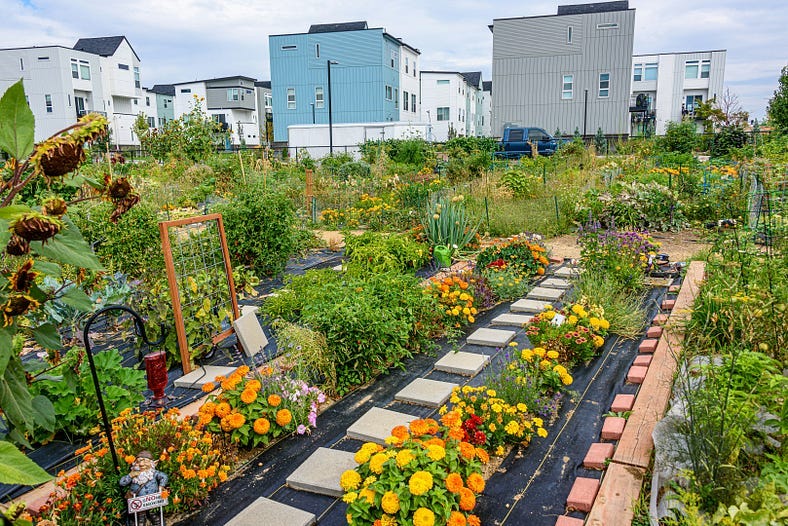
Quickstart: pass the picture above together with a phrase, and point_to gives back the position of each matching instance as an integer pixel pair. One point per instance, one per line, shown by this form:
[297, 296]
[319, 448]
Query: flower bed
[575, 333]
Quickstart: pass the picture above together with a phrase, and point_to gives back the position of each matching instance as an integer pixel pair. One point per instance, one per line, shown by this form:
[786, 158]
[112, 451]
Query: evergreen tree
[778, 105]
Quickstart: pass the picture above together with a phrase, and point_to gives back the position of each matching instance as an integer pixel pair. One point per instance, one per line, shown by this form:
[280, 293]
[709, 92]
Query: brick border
[622, 481]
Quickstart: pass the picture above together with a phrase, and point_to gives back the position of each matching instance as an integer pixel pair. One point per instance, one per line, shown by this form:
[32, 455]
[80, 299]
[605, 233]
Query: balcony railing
[82, 113]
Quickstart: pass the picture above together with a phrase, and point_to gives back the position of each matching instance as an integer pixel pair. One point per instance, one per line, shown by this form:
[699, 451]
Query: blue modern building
[365, 65]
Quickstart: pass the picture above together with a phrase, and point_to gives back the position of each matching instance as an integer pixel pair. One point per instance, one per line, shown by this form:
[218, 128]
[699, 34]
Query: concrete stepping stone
[613, 427]
[581, 496]
[267, 512]
[462, 363]
[566, 272]
[622, 402]
[423, 391]
[598, 455]
[516, 320]
[490, 337]
[202, 375]
[544, 293]
[528, 305]
[555, 283]
[376, 425]
[320, 472]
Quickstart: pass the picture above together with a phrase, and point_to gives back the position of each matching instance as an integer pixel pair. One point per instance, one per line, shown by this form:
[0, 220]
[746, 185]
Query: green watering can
[442, 255]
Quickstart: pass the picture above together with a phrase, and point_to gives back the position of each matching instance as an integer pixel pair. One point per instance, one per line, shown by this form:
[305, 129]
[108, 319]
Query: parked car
[516, 142]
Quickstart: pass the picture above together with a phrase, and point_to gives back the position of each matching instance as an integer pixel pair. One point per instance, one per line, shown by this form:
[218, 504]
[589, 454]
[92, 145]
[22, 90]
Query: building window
[136, 77]
[186, 90]
[567, 87]
[407, 60]
[396, 98]
[233, 94]
[691, 69]
[291, 100]
[43, 58]
[74, 69]
[442, 82]
[637, 76]
[48, 102]
[319, 100]
[405, 100]
[443, 114]
[651, 71]
[569, 35]
[151, 122]
[84, 70]
[289, 48]
[124, 67]
[608, 25]
[147, 101]
[394, 59]
[705, 68]
[21, 64]
[317, 50]
[692, 102]
[388, 93]
[413, 102]
[136, 102]
[414, 68]
[604, 85]
[267, 99]
[162, 121]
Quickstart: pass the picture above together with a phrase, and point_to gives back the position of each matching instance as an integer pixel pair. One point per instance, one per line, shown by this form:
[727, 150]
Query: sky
[184, 40]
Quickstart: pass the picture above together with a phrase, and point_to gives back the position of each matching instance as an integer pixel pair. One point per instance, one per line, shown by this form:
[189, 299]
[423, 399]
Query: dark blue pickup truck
[516, 142]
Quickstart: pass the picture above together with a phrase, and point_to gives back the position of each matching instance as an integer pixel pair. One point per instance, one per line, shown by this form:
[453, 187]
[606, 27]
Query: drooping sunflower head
[17, 305]
[55, 207]
[33, 226]
[17, 246]
[23, 278]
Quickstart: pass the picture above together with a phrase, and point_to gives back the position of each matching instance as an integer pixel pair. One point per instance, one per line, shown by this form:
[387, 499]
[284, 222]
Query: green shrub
[260, 228]
[132, 245]
[446, 222]
[729, 138]
[679, 137]
[520, 183]
[369, 324]
[635, 206]
[372, 252]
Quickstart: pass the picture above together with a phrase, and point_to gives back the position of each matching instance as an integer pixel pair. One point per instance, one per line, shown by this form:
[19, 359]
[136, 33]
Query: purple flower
[301, 429]
[321, 398]
[312, 418]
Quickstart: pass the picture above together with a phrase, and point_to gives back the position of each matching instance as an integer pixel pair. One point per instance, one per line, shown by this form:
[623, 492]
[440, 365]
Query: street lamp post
[330, 116]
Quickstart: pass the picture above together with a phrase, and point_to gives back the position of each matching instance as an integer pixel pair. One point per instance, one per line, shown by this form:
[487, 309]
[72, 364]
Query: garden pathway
[530, 487]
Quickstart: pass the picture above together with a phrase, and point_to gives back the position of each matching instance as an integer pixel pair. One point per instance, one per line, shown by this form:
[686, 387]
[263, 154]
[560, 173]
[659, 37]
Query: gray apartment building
[567, 71]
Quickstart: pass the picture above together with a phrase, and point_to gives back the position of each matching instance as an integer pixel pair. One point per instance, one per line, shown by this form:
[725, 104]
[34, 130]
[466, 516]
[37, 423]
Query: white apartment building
[96, 75]
[410, 108]
[486, 121]
[451, 102]
[667, 87]
[231, 101]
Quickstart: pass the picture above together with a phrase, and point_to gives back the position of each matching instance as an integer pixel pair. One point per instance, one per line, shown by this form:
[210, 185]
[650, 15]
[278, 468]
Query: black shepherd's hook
[138, 322]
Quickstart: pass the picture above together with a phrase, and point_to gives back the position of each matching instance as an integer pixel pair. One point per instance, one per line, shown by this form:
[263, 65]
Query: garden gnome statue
[144, 479]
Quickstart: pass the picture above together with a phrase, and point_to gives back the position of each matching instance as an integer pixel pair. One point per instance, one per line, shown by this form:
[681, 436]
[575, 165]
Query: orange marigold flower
[208, 387]
[454, 482]
[222, 409]
[467, 499]
[467, 450]
[540, 271]
[401, 432]
[261, 426]
[456, 433]
[457, 519]
[419, 427]
[129, 459]
[473, 520]
[475, 483]
[248, 396]
[274, 400]
[284, 417]
[482, 455]
[254, 385]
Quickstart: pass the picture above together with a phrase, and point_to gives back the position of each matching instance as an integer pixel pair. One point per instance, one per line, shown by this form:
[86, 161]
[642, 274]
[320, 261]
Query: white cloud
[181, 40]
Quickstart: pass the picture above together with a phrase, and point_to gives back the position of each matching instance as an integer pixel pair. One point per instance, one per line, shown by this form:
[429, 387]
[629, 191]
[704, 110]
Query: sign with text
[146, 502]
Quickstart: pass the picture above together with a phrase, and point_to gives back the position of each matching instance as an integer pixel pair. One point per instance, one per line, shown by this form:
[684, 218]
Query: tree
[722, 113]
[778, 105]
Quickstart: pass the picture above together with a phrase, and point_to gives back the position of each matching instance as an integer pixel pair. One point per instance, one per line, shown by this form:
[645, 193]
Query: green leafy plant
[371, 252]
[70, 385]
[446, 222]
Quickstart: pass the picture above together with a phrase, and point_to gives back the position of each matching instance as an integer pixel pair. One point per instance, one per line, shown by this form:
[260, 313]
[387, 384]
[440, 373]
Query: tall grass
[625, 310]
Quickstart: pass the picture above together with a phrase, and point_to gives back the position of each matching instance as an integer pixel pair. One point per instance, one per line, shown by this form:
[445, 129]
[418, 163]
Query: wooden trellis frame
[177, 274]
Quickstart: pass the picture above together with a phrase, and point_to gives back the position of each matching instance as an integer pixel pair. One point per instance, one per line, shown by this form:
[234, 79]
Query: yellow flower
[552, 354]
[350, 498]
[390, 502]
[542, 432]
[423, 517]
[512, 427]
[376, 462]
[522, 407]
[435, 452]
[350, 480]
[420, 483]
[567, 379]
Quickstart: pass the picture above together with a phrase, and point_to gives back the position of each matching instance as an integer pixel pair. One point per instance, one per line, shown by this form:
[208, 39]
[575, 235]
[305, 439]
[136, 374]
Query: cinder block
[613, 427]
[648, 346]
[597, 455]
[622, 402]
[637, 374]
[581, 496]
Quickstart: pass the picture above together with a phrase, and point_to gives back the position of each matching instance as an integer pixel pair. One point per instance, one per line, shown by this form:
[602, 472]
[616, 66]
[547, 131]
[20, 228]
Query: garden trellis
[200, 279]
